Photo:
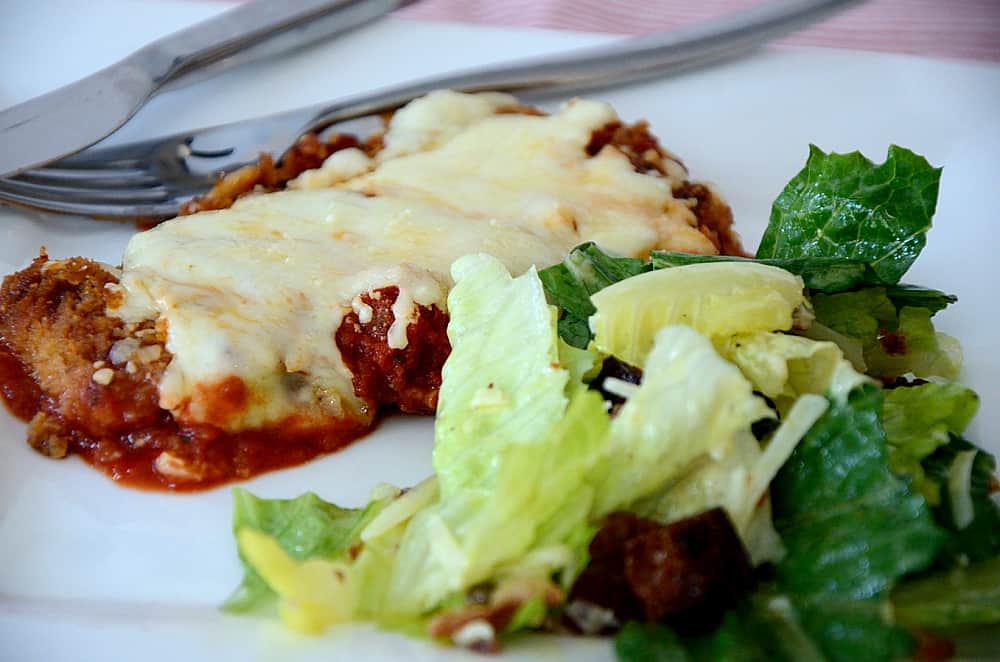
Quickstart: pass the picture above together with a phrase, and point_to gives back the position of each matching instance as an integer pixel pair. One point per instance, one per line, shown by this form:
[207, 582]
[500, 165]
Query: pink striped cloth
[942, 28]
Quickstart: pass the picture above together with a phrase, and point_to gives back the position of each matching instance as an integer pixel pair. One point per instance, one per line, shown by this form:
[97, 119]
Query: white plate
[89, 570]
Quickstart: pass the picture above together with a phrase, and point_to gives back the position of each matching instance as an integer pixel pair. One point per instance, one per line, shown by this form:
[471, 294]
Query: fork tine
[90, 177]
[116, 211]
[125, 156]
[26, 190]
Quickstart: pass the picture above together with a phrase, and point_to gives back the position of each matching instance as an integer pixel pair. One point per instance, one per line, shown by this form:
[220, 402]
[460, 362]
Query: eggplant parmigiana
[235, 341]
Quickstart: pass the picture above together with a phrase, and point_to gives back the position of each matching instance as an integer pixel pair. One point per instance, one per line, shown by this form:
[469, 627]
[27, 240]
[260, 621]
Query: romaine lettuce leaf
[583, 365]
[305, 527]
[960, 596]
[915, 347]
[502, 383]
[919, 419]
[894, 341]
[843, 205]
[763, 629]
[852, 529]
[649, 642]
[314, 592]
[717, 300]
[586, 270]
[858, 314]
[474, 532]
[345, 580]
[784, 367]
[978, 539]
[914, 296]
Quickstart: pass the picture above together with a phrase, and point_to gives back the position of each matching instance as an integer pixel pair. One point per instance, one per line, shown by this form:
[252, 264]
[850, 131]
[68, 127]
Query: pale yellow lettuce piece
[314, 594]
[784, 367]
[716, 299]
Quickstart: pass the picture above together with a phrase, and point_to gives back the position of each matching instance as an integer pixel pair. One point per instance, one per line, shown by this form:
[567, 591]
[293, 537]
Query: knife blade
[73, 117]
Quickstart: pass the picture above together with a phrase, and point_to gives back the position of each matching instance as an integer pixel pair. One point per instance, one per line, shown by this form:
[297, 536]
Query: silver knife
[78, 115]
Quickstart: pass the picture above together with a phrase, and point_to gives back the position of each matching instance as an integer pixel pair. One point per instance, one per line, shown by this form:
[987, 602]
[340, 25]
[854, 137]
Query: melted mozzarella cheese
[258, 291]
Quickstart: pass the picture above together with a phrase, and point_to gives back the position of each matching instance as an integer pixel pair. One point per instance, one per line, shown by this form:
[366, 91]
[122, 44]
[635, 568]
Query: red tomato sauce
[216, 457]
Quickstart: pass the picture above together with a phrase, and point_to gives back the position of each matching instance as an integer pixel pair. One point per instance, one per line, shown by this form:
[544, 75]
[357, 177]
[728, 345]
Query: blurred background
[945, 28]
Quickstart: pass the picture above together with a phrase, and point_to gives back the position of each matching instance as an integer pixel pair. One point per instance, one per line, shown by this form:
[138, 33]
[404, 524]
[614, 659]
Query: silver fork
[153, 179]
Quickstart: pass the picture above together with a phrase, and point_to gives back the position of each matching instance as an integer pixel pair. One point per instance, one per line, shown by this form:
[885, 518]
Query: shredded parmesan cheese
[103, 376]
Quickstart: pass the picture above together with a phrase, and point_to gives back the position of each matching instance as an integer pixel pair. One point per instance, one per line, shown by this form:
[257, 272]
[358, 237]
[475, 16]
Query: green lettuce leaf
[854, 629]
[783, 367]
[925, 352]
[914, 296]
[487, 530]
[347, 583]
[764, 628]
[852, 530]
[531, 614]
[893, 341]
[586, 270]
[919, 419]
[959, 596]
[305, 527]
[859, 314]
[845, 206]
[980, 538]
[649, 642]
[583, 365]
[501, 384]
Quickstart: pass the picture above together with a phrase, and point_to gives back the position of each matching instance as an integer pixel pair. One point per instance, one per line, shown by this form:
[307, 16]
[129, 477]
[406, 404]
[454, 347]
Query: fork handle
[254, 31]
[626, 61]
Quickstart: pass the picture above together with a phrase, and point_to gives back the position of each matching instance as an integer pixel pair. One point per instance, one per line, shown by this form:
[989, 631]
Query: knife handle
[253, 31]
